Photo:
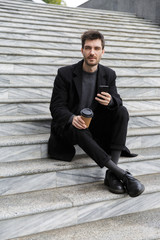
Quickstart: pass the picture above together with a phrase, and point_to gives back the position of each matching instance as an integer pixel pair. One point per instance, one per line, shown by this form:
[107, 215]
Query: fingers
[103, 98]
[78, 122]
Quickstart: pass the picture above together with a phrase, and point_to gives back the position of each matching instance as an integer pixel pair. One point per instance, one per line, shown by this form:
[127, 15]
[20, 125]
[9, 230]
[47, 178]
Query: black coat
[65, 102]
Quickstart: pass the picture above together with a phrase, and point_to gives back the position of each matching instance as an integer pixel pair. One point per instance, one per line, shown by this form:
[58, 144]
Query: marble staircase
[38, 194]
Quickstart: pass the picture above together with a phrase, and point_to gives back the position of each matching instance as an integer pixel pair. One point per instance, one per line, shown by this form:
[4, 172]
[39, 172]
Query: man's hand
[103, 98]
[78, 122]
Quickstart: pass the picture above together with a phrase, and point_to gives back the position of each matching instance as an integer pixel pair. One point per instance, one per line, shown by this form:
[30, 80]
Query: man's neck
[88, 68]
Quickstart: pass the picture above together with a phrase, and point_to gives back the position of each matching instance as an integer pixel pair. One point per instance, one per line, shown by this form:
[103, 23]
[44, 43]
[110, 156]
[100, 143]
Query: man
[75, 88]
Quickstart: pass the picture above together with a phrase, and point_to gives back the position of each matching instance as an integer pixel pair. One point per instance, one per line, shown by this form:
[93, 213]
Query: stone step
[19, 27]
[40, 124]
[26, 147]
[76, 13]
[22, 80]
[75, 38]
[65, 61]
[144, 119]
[52, 53]
[41, 106]
[131, 92]
[21, 93]
[73, 21]
[137, 81]
[34, 175]
[45, 92]
[48, 19]
[24, 125]
[150, 48]
[31, 213]
[24, 106]
[37, 8]
[133, 226]
[142, 104]
[68, 32]
[49, 70]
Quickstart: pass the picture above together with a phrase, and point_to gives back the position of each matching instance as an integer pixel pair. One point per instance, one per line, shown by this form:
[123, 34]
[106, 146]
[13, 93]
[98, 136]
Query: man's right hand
[78, 122]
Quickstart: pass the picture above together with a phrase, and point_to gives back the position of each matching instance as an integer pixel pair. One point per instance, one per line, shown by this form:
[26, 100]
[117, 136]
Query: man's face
[92, 52]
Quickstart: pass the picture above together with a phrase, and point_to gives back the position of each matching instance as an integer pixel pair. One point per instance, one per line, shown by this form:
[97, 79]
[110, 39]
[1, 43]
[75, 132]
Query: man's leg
[85, 140]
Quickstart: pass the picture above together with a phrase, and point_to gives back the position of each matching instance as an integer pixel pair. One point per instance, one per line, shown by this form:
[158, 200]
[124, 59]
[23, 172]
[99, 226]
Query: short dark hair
[92, 35]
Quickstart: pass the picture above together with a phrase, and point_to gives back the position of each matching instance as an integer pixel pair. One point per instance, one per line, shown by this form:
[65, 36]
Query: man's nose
[92, 51]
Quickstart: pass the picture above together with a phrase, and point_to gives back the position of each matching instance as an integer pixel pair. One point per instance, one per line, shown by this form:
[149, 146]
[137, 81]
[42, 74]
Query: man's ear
[82, 50]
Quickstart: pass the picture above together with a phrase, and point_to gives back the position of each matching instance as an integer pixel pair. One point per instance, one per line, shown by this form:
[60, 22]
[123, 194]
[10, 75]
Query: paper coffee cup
[86, 115]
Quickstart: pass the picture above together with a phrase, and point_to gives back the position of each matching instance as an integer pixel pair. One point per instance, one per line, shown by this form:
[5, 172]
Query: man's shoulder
[106, 69]
[69, 68]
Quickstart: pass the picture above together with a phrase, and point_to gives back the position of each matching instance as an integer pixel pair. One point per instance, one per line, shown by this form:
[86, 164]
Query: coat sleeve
[59, 101]
[113, 90]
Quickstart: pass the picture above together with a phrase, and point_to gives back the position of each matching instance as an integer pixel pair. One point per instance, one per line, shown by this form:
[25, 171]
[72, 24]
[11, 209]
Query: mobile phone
[103, 88]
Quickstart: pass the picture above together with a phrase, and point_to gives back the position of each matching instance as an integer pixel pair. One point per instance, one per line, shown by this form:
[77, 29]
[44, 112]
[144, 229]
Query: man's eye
[97, 49]
[87, 48]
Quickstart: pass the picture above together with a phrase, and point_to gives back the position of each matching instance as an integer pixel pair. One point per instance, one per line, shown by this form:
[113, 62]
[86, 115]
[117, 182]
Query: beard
[91, 63]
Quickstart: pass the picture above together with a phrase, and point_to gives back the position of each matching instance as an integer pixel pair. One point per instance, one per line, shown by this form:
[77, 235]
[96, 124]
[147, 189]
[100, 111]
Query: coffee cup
[86, 115]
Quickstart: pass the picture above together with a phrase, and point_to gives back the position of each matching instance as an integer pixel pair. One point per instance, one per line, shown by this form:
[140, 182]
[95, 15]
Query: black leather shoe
[113, 183]
[133, 186]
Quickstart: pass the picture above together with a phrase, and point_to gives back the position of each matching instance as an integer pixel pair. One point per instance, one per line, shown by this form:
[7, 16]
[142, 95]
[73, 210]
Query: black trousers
[107, 132]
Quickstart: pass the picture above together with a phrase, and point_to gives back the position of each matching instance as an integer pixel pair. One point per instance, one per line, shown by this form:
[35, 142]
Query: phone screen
[103, 88]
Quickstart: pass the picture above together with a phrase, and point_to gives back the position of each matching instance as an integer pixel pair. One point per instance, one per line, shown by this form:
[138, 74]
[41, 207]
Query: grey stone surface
[88, 204]
[143, 225]
[38, 194]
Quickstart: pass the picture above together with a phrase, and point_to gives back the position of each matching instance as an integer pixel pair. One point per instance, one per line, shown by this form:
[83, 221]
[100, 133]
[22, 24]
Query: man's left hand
[103, 98]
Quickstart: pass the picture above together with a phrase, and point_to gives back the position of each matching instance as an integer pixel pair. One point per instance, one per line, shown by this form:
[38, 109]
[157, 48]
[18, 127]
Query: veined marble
[143, 141]
[3, 93]
[77, 44]
[33, 93]
[139, 92]
[14, 152]
[77, 53]
[27, 183]
[25, 80]
[140, 81]
[71, 216]
[144, 121]
[49, 70]
[83, 26]
[75, 37]
[66, 60]
[24, 108]
[39, 179]
[38, 223]
[148, 105]
[23, 152]
[62, 20]
[24, 128]
[69, 32]
[118, 207]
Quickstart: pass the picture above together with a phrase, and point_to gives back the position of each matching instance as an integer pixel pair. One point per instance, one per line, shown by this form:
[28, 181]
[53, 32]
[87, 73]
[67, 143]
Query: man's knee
[74, 134]
[122, 113]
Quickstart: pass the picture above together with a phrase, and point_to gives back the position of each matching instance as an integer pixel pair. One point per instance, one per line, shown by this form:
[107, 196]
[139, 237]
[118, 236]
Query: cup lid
[86, 112]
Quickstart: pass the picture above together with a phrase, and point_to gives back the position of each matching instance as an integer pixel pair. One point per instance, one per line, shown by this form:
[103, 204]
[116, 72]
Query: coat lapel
[77, 78]
[100, 81]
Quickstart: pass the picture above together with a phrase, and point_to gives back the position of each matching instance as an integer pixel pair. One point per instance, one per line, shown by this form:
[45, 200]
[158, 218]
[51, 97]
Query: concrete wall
[149, 9]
